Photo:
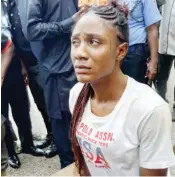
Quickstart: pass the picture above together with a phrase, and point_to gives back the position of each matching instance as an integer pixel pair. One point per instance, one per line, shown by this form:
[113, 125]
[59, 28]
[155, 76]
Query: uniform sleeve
[150, 12]
[37, 29]
[156, 150]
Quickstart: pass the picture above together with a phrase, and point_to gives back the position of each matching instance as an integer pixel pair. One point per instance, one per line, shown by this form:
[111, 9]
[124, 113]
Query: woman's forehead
[91, 23]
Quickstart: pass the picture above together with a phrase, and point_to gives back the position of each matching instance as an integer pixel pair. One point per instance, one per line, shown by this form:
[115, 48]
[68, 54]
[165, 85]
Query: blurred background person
[30, 70]
[6, 57]
[166, 47]
[13, 92]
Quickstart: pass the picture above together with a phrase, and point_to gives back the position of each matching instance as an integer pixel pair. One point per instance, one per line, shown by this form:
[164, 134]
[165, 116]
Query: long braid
[77, 115]
[117, 15]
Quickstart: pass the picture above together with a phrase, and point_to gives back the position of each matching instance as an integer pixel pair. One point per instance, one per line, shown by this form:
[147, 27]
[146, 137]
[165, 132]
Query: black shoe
[14, 161]
[51, 152]
[43, 144]
[33, 151]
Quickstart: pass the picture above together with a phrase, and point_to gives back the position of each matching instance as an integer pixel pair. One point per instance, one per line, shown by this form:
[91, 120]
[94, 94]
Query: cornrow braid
[117, 15]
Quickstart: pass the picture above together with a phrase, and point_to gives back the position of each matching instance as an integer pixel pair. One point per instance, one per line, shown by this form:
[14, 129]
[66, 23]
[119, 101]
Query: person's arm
[151, 18]
[38, 30]
[153, 172]
[6, 58]
[155, 146]
[153, 34]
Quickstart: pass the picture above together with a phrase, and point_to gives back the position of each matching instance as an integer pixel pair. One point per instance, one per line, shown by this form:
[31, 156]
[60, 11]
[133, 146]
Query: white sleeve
[156, 151]
[73, 96]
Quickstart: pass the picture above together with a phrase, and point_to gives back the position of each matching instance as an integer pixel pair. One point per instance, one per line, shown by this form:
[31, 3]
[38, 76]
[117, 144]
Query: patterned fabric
[5, 27]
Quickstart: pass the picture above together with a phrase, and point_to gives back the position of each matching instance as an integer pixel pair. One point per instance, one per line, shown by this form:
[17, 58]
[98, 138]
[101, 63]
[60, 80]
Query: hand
[25, 75]
[110, 2]
[83, 10]
[83, 6]
[151, 69]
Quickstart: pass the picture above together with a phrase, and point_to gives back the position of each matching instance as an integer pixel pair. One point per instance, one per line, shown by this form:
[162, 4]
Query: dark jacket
[48, 28]
[22, 46]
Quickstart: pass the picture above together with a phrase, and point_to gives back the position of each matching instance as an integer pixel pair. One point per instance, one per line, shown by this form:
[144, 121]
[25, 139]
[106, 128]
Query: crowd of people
[90, 68]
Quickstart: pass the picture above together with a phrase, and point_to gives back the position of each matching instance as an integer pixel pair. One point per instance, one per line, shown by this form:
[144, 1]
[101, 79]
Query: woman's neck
[110, 87]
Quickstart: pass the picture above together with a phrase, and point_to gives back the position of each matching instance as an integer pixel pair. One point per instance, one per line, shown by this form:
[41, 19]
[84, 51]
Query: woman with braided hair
[115, 130]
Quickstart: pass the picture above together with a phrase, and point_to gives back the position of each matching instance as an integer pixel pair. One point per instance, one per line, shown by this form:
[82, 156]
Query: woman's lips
[82, 69]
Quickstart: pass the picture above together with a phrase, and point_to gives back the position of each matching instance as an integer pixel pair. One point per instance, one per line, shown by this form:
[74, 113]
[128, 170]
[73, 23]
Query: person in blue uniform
[141, 60]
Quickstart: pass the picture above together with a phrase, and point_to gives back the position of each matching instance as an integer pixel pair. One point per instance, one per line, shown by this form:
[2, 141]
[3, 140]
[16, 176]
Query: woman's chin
[84, 79]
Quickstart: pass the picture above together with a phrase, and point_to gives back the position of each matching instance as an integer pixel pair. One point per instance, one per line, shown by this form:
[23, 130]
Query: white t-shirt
[137, 133]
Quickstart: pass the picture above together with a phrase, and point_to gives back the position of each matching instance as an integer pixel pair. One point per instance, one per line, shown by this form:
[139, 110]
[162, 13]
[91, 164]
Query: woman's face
[95, 50]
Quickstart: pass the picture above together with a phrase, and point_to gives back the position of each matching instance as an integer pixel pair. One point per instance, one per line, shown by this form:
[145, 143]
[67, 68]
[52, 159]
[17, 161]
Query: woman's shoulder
[73, 96]
[146, 96]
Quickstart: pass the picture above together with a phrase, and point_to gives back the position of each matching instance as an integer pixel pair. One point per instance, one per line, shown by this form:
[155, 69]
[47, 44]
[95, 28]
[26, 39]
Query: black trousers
[14, 93]
[164, 68]
[135, 62]
[38, 94]
[60, 129]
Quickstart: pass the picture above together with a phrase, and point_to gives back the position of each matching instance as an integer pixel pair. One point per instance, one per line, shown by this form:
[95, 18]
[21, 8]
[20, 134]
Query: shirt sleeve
[150, 12]
[37, 29]
[156, 150]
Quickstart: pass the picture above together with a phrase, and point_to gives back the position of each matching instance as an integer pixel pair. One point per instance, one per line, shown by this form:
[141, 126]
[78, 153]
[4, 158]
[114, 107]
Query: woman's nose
[81, 53]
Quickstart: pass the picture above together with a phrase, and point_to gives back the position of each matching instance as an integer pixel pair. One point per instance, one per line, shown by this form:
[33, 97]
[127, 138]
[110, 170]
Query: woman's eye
[75, 42]
[94, 42]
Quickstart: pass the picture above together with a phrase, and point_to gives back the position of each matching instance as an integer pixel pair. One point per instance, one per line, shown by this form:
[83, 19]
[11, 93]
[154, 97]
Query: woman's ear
[122, 50]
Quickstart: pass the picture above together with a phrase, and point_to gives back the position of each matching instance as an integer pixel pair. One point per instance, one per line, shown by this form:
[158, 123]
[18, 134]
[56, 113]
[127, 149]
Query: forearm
[153, 172]
[6, 58]
[153, 42]
[37, 30]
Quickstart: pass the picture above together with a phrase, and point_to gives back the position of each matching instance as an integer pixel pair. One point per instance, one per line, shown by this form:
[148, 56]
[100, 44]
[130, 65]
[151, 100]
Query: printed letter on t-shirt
[80, 143]
[100, 158]
[87, 146]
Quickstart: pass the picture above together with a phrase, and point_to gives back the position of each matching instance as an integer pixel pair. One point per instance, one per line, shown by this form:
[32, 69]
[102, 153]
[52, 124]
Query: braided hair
[117, 16]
